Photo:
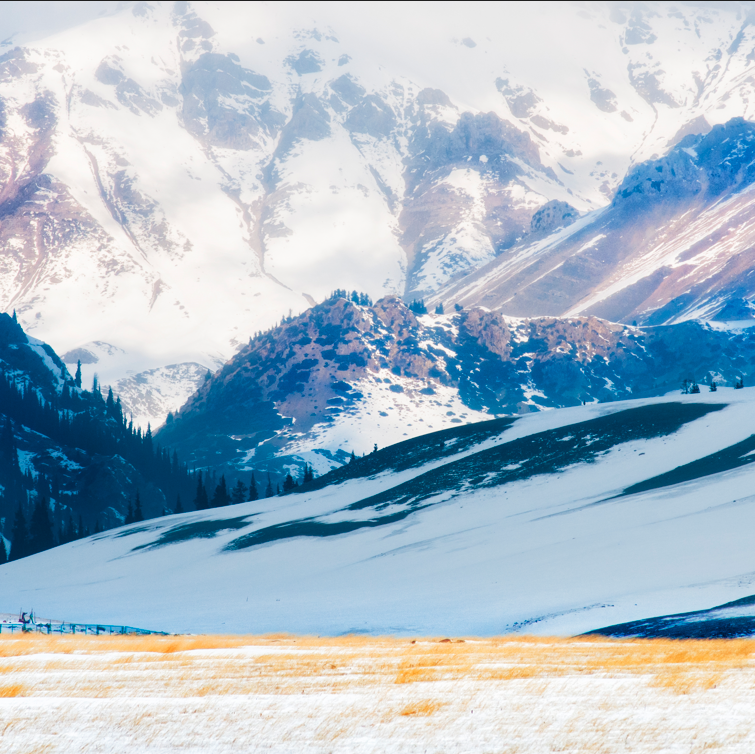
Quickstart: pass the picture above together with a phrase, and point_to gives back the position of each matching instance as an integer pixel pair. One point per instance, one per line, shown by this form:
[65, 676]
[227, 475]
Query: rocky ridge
[344, 377]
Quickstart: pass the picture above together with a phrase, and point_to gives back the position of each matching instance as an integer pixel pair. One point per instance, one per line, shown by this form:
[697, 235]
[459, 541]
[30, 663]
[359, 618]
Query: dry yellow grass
[424, 708]
[15, 689]
[294, 690]
[280, 661]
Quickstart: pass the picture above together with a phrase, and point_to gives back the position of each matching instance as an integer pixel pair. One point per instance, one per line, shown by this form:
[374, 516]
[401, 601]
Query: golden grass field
[355, 694]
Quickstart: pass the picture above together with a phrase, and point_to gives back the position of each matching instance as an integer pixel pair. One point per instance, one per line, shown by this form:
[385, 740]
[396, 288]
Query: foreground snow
[280, 694]
[564, 550]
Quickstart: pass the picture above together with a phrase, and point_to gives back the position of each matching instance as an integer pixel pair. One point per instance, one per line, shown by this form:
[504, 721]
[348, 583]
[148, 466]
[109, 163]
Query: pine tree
[220, 496]
[253, 493]
[129, 514]
[288, 483]
[277, 489]
[77, 378]
[269, 489]
[201, 502]
[19, 546]
[70, 530]
[353, 457]
[138, 515]
[239, 493]
[439, 309]
[40, 530]
[179, 507]
[713, 387]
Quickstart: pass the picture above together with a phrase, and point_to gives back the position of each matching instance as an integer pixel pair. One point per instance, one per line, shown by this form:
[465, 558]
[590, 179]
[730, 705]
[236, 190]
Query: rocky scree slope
[344, 377]
[676, 243]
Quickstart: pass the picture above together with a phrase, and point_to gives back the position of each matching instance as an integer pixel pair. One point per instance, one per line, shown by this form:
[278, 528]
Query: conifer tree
[201, 502]
[138, 515]
[40, 530]
[277, 489]
[19, 546]
[269, 489]
[353, 457]
[77, 378]
[288, 483]
[253, 493]
[439, 309]
[239, 493]
[70, 529]
[129, 514]
[220, 496]
[179, 507]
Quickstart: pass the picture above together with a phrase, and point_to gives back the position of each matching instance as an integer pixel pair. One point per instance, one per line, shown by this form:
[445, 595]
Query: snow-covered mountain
[557, 522]
[675, 244]
[345, 376]
[175, 177]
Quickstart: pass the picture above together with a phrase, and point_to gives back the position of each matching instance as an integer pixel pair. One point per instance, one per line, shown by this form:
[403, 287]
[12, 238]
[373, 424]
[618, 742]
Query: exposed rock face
[343, 377]
[553, 215]
[676, 243]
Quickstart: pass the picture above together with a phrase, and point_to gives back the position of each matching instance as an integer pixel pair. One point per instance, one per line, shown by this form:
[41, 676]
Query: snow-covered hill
[557, 522]
[175, 177]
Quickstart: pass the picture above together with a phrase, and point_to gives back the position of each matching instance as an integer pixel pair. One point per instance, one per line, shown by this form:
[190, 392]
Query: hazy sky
[30, 20]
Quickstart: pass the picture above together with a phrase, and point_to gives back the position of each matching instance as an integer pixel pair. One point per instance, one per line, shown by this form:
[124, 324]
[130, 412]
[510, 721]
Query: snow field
[284, 694]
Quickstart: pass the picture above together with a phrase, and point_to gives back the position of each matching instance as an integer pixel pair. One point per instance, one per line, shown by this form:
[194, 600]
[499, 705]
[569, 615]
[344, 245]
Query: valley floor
[358, 694]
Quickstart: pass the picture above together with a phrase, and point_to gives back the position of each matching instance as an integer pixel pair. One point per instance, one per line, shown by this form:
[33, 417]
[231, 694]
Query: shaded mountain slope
[71, 448]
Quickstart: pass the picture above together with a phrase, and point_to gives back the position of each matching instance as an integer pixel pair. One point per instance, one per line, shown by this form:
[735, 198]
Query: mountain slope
[196, 170]
[344, 377]
[528, 526]
[71, 449]
[675, 244]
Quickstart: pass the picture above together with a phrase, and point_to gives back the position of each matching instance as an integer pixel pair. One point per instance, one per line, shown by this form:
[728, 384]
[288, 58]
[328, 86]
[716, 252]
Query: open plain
[367, 694]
